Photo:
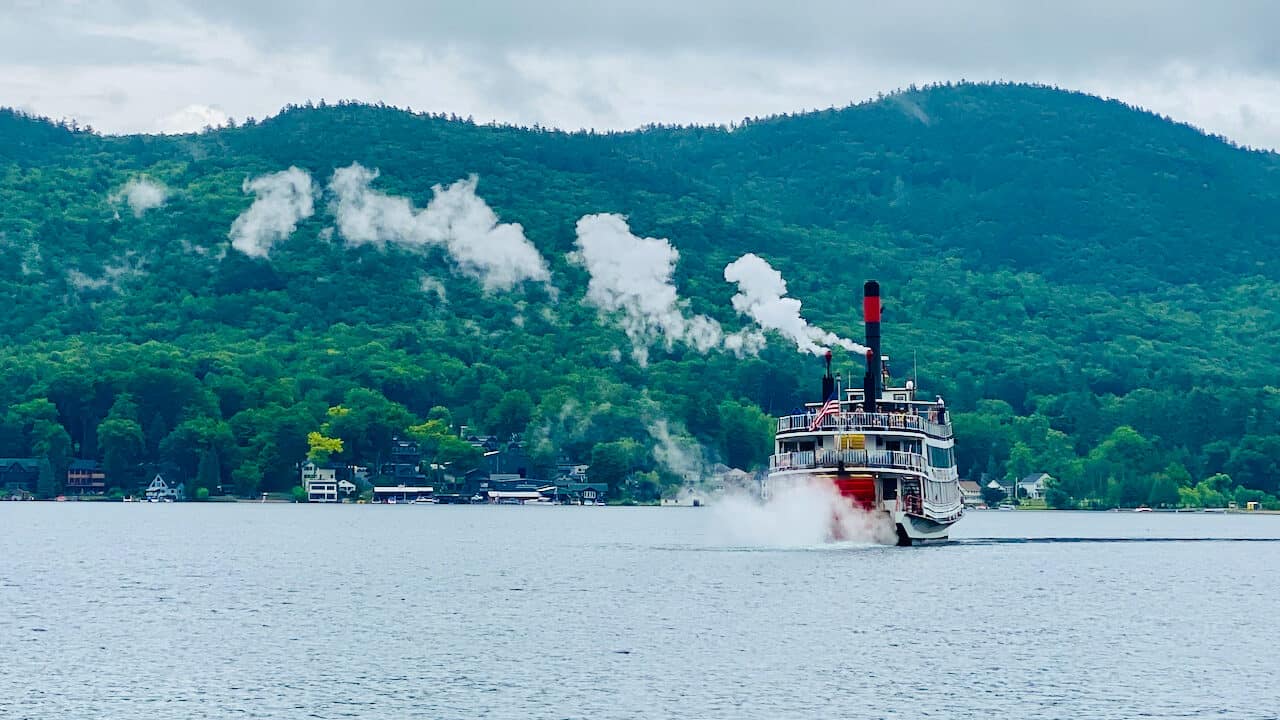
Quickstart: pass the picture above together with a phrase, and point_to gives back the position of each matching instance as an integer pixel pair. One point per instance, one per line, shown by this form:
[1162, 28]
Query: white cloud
[192, 118]
[136, 66]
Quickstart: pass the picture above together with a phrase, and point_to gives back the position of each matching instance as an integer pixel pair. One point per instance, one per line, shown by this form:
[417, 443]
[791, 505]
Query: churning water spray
[801, 516]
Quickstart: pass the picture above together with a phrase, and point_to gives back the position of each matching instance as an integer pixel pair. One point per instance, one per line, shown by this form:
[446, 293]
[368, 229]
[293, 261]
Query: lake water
[290, 611]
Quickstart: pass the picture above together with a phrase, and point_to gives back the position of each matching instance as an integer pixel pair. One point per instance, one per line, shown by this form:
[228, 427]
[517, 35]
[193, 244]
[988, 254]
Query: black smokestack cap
[828, 381]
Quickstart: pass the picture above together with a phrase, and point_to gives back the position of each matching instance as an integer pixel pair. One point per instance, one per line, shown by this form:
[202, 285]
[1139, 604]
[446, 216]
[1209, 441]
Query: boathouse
[86, 477]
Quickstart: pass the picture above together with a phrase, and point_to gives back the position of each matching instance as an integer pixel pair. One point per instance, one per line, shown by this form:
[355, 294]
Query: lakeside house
[511, 459]
[570, 471]
[403, 466]
[86, 477]
[162, 489]
[1006, 489]
[19, 475]
[581, 493]
[1033, 486]
[970, 493]
[326, 483]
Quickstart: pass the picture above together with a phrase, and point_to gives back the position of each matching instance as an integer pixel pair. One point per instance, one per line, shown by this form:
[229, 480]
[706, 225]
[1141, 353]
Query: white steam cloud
[114, 275]
[497, 254]
[762, 297]
[808, 515]
[141, 194]
[631, 276]
[678, 454]
[283, 199]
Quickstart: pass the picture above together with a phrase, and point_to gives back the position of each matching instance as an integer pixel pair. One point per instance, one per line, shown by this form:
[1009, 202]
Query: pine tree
[46, 481]
[209, 473]
[157, 430]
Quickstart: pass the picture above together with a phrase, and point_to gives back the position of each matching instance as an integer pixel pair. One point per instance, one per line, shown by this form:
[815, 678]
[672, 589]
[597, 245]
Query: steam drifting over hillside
[762, 297]
[497, 254]
[283, 200]
[141, 194]
[631, 277]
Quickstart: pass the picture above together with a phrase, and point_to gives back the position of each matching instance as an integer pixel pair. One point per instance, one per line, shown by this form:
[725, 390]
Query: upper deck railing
[856, 421]
[850, 459]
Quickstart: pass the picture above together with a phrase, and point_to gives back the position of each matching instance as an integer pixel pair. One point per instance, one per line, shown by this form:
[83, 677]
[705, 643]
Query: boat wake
[1053, 540]
[804, 516]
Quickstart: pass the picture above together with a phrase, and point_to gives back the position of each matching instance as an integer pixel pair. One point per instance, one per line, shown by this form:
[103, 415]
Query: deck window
[941, 457]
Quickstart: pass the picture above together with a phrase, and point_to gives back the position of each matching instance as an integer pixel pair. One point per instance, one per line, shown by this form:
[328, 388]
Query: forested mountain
[1094, 289]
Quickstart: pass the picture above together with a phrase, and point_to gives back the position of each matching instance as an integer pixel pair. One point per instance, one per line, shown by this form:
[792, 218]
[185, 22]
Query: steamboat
[881, 447]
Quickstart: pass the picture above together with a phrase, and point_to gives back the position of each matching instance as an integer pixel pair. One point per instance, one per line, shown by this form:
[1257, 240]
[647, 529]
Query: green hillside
[1093, 288]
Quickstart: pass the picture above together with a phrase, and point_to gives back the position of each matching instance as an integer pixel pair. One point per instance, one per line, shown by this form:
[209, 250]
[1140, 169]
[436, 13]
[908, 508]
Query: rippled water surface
[290, 611]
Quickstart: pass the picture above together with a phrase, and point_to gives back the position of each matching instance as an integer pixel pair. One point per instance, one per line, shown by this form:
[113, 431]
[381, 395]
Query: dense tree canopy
[1094, 289]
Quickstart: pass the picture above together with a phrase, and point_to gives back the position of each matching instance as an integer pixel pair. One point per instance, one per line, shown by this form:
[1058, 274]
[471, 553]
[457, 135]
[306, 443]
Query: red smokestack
[871, 303]
[871, 317]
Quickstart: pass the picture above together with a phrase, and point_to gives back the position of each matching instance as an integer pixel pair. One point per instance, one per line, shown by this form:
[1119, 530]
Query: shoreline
[286, 501]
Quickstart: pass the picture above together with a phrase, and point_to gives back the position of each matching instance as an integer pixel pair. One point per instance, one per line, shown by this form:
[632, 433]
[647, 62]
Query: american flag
[831, 408]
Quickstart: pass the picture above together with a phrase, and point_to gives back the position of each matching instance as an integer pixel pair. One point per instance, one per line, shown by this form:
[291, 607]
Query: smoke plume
[497, 254]
[141, 194]
[678, 454]
[762, 296]
[631, 276]
[282, 200]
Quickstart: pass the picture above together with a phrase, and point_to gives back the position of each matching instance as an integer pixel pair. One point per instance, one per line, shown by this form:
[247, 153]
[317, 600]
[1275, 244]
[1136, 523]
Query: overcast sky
[139, 66]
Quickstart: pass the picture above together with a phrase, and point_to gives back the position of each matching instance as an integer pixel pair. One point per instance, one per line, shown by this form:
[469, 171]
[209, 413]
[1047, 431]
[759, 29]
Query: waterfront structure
[162, 489]
[570, 471]
[970, 493]
[86, 477]
[326, 483]
[882, 449]
[19, 475]
[512, 459]
[1033, 486]
[514, 497]
[403, 465]
[509, 488]
[320, 482]
[581, 493]
[402, 493]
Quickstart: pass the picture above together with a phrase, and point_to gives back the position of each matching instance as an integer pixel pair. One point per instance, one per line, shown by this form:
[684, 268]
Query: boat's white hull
[921, 528]
[911, 525]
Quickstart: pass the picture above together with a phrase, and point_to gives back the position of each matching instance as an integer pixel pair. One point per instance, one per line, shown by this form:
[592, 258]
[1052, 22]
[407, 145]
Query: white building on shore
[322, 484]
